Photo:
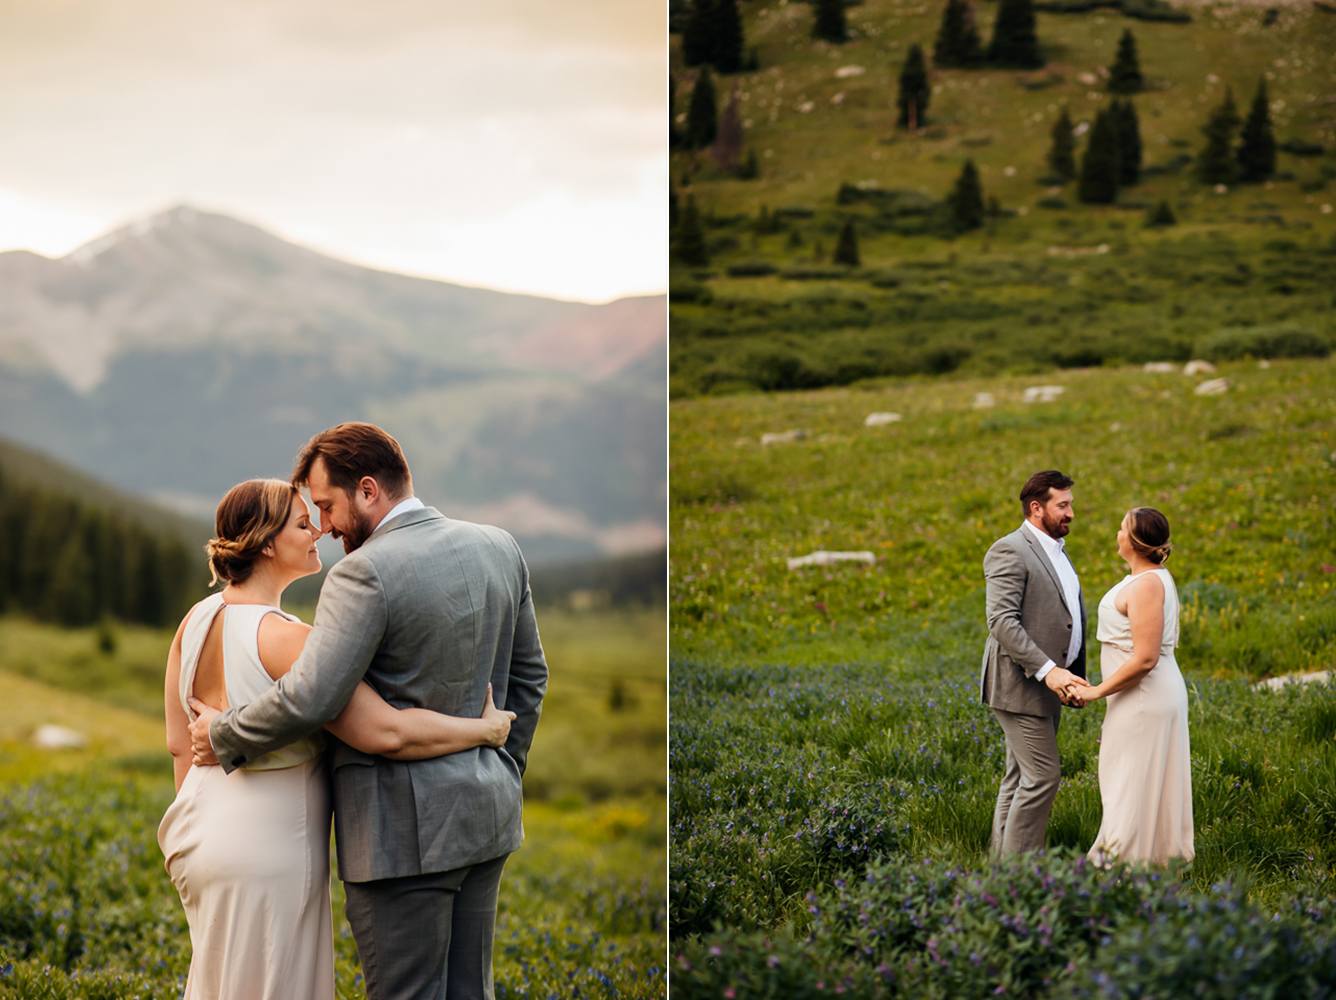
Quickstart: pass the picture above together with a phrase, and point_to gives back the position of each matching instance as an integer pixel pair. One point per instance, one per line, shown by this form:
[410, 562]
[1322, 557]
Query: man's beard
[1054, 527]
[358, 532]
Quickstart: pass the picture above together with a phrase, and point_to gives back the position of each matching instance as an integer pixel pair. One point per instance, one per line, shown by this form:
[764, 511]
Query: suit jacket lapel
[1048, 565]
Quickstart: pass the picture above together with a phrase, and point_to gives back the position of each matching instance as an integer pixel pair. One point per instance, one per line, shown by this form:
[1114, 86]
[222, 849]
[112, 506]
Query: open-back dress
[249, 851]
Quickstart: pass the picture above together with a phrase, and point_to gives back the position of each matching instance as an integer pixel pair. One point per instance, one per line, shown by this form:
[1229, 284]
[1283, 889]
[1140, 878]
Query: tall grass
[87, 911]
[827, 736]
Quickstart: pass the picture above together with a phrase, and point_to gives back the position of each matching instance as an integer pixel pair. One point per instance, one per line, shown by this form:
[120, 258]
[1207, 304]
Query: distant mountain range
[186, 352]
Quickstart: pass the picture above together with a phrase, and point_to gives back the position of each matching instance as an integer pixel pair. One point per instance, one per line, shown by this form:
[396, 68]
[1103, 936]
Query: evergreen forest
[1032, 185]
[72, 561]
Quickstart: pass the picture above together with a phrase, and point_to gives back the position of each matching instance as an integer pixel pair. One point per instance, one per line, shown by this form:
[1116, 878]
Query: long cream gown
[1145, 769]
[249, 851]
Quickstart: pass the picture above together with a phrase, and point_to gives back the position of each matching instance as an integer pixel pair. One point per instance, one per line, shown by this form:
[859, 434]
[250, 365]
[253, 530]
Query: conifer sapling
[702, 113]
[914, 91]
[1257, 146]
[966, 199]
[1062, 153]
[1125, 73]
[846, 250]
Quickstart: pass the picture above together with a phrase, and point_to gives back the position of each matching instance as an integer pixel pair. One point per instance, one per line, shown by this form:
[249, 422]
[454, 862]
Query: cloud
[367, 124]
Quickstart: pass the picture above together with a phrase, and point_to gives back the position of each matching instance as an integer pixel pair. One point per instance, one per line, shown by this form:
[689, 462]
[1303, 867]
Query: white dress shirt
[1071, 593]
[402, 507]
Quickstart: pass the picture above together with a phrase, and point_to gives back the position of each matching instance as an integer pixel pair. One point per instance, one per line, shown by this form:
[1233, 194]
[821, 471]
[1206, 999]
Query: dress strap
[192, 644]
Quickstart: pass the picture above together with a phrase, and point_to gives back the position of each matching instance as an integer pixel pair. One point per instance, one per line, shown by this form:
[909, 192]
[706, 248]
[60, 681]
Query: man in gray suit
[428, 610]
[1034, 656]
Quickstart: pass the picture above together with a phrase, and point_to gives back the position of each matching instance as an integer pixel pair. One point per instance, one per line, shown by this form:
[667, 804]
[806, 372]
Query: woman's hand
[498, 722]
[1083, 696]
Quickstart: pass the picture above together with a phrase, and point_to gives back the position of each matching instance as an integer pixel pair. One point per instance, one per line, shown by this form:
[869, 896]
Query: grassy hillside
[1048, 282]
[583, 903]
[832, 771]
[1245, 479]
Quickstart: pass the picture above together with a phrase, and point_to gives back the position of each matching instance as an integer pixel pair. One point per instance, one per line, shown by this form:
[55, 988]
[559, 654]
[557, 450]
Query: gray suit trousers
[1029, 784]
[427, 937]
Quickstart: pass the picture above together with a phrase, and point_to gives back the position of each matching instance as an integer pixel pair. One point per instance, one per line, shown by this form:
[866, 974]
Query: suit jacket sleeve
[350, 624]
[527, 683]
[1005, 574]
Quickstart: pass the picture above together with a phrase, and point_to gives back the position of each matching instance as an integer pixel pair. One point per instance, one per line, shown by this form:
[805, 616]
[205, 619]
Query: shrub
[855, 827]
[1216, 946]
[1283, 340]
[682, 290]
[751, 269]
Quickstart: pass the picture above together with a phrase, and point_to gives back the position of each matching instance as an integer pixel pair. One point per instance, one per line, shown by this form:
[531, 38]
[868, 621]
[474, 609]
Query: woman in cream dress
[249, 851]
[1145, 771]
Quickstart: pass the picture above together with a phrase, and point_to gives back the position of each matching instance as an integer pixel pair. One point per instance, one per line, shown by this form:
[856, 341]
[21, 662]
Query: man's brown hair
[351, 451]
[1037, 488]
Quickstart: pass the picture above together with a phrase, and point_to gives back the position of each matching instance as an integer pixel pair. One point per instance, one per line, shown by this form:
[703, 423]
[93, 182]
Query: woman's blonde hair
[249, 518]
[1148, 531]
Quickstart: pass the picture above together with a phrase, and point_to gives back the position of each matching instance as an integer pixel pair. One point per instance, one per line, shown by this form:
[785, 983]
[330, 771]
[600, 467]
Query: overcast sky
[514, 144]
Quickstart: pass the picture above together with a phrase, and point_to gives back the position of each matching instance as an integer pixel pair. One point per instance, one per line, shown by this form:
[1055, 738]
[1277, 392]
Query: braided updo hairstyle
[249, 518]
[1148, 531]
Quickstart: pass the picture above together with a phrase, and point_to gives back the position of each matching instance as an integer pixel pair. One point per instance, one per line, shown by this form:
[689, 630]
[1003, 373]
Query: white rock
[1158, 366]
[983, 400]
[1276, 683]
[844, 72]
[824, 558]
[1043, 393]
[1198, 367]
[1264, 363]
[783, 437]
[1213, 387]
[877, 419]
[51, 737]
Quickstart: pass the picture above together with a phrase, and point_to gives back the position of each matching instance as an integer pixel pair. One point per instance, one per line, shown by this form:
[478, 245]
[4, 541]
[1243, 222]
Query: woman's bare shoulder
[1149, 587]
[280, 641]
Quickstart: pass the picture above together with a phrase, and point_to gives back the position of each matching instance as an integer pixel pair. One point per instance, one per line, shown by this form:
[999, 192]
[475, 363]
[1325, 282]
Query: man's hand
[1063, 682]
[200, 742]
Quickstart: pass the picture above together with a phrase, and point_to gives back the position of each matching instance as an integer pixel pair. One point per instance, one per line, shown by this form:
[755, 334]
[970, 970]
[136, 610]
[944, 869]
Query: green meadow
[1047, 282]
[832, 773]
[87, 911]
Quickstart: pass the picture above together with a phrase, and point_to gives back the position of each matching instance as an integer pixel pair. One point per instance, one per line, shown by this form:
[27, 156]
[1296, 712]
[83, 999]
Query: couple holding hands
[1034, 663]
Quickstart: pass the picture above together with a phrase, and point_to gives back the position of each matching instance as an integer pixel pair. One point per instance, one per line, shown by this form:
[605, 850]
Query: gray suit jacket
[428, 610]
[1029, 624]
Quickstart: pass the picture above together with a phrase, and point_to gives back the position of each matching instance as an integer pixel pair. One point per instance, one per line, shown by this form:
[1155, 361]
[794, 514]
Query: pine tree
[727, 36]
[702, 114]
[958, 38]
[674, 207]
[1257, 146]
[914, 91]
[1100, 168]
[846, 250]
[1217, 164]
[1062, 154]
[1128, 127]
[966, 199]
[1125, 73]
[1015, 43]
[829, 24]
[727, 149]
[674, 136]
[698, 34]
[689, 247]
[1161, 215]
